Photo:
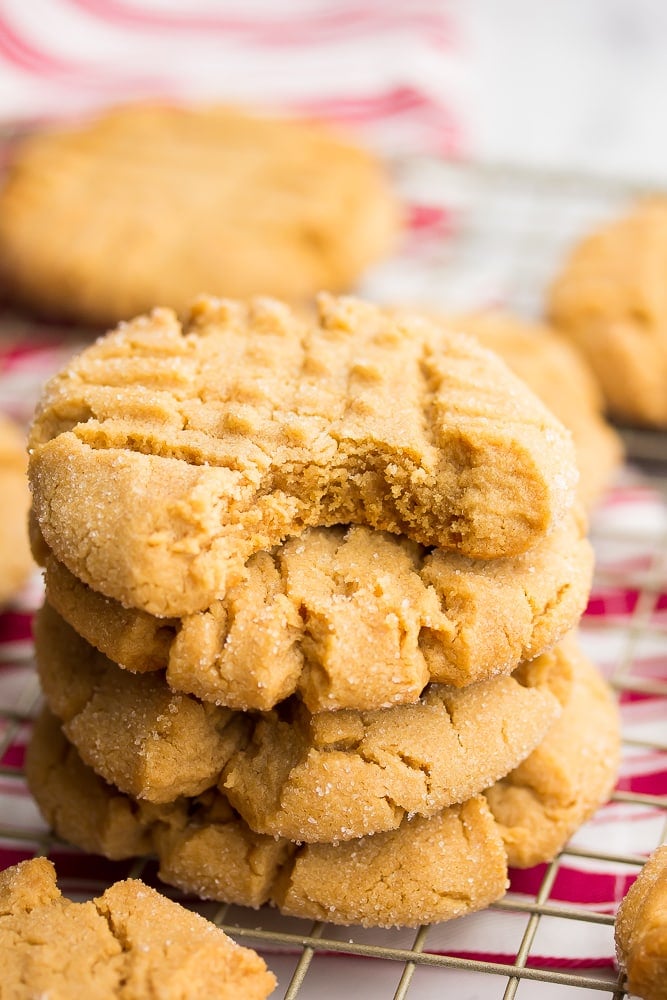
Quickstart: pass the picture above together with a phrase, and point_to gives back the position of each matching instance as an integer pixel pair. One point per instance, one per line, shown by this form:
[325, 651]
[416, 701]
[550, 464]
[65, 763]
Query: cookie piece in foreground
[428, 870]
[641, 930]
[16, 562]
[164, 456]
[609, 299]
[298, 620]
[540, 804]
[155, 204]
[559, 376]
[331, 776]
[130, 942]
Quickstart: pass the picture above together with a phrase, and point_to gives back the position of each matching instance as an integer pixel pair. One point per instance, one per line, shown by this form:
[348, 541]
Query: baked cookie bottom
[129, 942]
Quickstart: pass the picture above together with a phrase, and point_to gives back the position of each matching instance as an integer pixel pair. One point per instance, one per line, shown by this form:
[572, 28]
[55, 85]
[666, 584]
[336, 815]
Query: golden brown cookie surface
[152, 205]
[304, 611]
[610, 300]
[340, 775]
[131, 943]
[427, 870]
[332, 776]
[641, 930]
[132, 729]
[571, 773]
[15, 559]
[556, 372]
[200, 446]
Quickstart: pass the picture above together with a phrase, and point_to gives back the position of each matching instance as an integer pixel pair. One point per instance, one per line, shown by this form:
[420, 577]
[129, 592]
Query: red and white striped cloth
[395, 75]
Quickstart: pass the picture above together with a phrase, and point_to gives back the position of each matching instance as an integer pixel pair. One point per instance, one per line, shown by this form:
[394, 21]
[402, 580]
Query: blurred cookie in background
[15, 559]
[610, 300]
[154, 204]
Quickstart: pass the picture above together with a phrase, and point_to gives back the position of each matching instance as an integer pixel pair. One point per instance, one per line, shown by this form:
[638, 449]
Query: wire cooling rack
[479, 235]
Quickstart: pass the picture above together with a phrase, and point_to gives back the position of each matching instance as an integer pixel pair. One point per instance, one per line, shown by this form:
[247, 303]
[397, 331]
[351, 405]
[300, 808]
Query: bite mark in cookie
[202, 445]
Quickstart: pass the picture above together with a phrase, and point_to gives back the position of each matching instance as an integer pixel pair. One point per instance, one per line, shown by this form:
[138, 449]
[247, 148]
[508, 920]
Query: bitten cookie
[556, 372]
[150, 204]
[297, 621]
[131, 943]
[610, 300]
[332, 776]
[641, 930]
[540, 804]
[15, 559]
[428, 870]
[203, 444]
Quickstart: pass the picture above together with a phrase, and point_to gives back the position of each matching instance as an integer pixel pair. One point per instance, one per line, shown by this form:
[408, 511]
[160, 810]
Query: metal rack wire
[498, 238]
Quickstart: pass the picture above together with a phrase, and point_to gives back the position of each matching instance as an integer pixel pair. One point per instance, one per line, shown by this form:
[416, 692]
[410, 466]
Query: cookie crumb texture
[154, 204]
[297, 621]
[131, 943]
[331, 776]
[202, 445]
[641, 930]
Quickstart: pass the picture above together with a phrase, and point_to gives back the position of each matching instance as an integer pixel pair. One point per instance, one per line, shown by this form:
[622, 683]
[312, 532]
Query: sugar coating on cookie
[131, 942]
[203, 444]
[557, 373]
[641, 930]
[151, 204]
[15, 559]
[298, 620]
[609, 299]
[134, 731]
[427, 870]
[331, 776]
[540, 804]
[339, 775]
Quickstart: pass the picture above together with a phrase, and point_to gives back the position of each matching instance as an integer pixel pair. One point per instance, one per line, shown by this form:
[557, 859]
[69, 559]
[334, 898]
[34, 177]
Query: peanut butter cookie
[131, 943]
[610, 300]
[15, 560]
[165, 456]
[641, 930]
[428, 870]
[556, 372]
[332, 776]
[298, 620]
[540, 804]
[150, 204]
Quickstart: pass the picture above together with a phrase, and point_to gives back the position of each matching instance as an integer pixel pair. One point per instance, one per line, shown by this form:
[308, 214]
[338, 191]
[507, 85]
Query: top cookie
[131, 943]
[163, 457]
[153, 204]
[611, 299]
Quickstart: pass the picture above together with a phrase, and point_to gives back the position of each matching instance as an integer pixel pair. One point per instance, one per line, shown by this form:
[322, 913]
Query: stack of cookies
[310, 585]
